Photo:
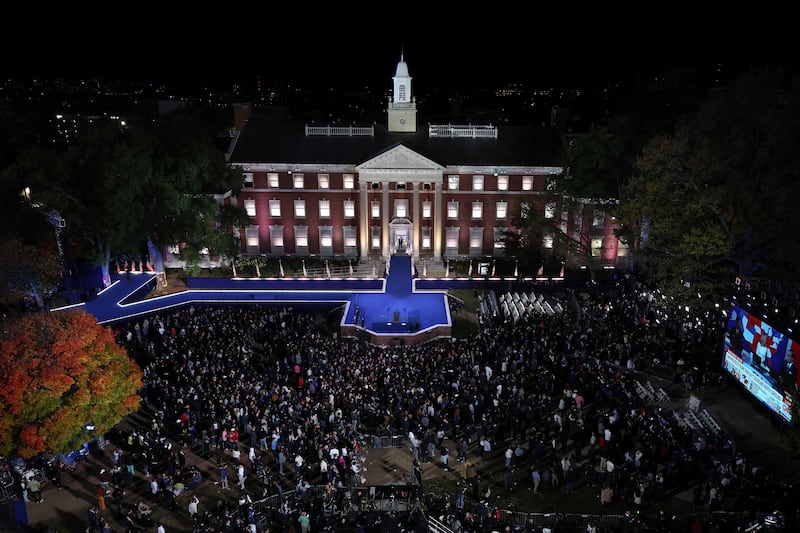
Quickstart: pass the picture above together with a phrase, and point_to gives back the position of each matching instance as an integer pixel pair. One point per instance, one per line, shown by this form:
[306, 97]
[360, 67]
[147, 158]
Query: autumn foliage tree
[61, 371]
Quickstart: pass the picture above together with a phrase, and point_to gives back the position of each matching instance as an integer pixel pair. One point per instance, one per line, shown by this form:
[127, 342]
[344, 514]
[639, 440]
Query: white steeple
[402, 107]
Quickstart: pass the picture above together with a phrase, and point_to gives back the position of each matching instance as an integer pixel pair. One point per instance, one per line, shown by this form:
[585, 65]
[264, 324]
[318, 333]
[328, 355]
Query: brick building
[436, 191]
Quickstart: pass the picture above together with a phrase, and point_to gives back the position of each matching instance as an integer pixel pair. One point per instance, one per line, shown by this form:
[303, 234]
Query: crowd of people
[280, 405]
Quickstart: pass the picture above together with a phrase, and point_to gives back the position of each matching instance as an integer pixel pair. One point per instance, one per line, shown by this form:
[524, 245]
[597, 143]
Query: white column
[364, 228]
[385, 217]
[438, 229]
[415, 218]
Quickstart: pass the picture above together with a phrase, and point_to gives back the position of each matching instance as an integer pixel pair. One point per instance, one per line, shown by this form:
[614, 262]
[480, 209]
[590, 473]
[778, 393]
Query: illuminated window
[324, 208]
[477, 210]
[550, 210]
[376, 209]
[475, 240]
[622, 248]
[477, 183]
[547, 241]
[598, 218]
[376, 236]
[524, 210]
[273, 181]
[350, 239]
[349, 181]
[300, 208]
[324, 181]
[349, 209]
[527, 183]
[299, 181]
[502, 183]
[597, 247]
[426, 209]
[502, 210]
[274, 208]
[301, 238]
[401, 208]
[252, 240]
[426, 238]
[451, 241]
[248, 179]
[276, 238]
[174, 249]
[577, 220]
[250, 207]
[325, 239]
[452, 183]
[452, 210]
[499, 239]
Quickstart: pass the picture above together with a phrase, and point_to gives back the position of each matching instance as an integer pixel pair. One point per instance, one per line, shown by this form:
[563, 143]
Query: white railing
[462, 131]
[340, 131]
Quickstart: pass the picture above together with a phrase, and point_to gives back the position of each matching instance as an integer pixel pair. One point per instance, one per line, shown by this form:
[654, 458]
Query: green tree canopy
[61, 371]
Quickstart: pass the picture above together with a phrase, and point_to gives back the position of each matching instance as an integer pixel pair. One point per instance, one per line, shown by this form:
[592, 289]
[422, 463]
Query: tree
[27, 271]
[121, 189]
[61, 371]
[713, 199]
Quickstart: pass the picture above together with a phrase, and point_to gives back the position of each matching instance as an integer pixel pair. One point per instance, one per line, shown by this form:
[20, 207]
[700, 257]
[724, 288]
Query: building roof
[272, 137]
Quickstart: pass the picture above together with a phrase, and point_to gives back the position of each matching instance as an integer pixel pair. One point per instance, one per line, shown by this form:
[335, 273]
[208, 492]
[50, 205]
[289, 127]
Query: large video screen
[761, 358]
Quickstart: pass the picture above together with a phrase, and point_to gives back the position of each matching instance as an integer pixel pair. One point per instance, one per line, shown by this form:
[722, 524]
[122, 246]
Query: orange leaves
[60, 371]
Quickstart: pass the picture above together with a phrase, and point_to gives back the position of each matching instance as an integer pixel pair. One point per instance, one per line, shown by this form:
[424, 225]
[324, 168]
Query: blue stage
[388, 310]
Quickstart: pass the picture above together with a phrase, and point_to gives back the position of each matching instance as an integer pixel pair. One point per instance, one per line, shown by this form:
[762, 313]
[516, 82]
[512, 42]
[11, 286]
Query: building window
[550, 210]
[499, 240]
[527, 183]
[502, 183]
[174, 249]
[325, 240]
[577, 221]
[324, 181]
[300, 208]
[452, 210]
[273, 181]
[248, 179]
[376, 237]
[324, 208]
[401, 185]
[477, 210]
[547, 241]
[275, 208]
[452, 183]
[301, 239]
[622, 248]
[376, 209]
[401, 208]
[502, 210]
[350, 239]
[598, 218]
[349, 209]
[401, 90]
[451, 241]
[251, 237]
[477, 183]
[250, 207]
[299, 181]
[276, 239]
[349, 181]
[564, 219]
[597, 246]
[524, 210]
[426, 209]
[475, 241]
[426, 238]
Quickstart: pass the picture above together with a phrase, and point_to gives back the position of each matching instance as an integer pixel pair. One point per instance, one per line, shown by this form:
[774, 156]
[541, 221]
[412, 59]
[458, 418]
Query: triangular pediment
[399, 157]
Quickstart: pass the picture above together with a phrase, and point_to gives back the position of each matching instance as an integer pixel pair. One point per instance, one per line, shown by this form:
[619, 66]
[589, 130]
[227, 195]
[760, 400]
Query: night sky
[458, 45]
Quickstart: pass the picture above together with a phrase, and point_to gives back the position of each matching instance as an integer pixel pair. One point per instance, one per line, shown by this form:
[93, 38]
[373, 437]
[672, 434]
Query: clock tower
[402, 106]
